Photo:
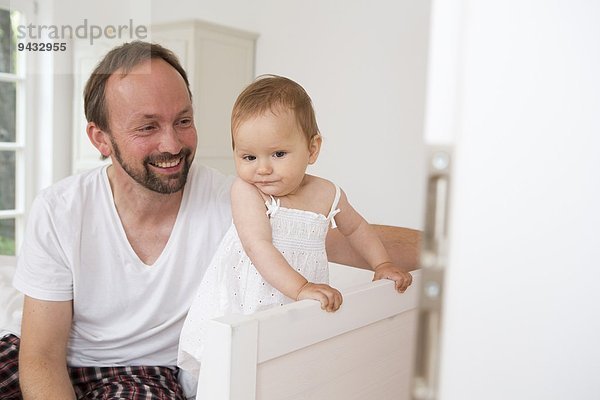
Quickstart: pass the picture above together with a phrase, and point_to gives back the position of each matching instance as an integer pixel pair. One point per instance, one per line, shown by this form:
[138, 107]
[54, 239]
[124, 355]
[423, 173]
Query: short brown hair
[125, 58]
[272, 93]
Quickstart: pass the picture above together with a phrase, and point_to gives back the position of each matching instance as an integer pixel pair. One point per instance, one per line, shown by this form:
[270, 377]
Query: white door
[515, 88]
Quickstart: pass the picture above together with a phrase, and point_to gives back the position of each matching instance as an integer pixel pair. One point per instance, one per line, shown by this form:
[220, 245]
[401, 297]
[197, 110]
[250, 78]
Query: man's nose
[170, 141]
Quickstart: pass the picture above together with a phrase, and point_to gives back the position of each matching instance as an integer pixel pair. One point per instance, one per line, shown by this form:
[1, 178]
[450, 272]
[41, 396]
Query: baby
[274, 252]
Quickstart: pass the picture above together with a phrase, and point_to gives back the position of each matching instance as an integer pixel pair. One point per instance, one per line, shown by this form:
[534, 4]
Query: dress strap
[334, 210]
[272, 206]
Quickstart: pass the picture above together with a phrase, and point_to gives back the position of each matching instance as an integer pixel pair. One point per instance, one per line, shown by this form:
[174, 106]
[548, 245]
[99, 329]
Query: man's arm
[43, 352]
[402, 244]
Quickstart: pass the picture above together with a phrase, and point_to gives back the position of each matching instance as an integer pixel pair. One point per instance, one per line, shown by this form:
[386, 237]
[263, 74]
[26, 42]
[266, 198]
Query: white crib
[363, 351]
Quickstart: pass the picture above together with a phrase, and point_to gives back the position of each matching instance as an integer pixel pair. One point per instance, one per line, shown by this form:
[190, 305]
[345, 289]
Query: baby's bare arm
[365, 241]
[254, 230]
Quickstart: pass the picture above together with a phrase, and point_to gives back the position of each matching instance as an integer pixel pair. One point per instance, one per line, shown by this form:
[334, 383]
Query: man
[112, 257]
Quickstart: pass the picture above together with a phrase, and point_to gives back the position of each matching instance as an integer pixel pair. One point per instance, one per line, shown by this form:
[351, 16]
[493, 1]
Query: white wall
[521, 304]
[363, 63]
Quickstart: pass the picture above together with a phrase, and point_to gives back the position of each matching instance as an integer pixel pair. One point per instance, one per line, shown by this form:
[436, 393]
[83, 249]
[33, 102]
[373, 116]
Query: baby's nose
[264, 168]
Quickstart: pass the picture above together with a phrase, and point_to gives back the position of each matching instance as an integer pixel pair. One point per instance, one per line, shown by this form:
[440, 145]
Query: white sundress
[232, 285]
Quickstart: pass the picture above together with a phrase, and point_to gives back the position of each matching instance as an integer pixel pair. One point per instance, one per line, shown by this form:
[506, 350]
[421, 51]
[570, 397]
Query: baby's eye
[249, 158]
[279, 154]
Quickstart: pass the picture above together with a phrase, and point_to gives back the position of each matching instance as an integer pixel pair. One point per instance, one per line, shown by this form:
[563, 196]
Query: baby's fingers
[403, 281]
[335, 299]
[331, 299]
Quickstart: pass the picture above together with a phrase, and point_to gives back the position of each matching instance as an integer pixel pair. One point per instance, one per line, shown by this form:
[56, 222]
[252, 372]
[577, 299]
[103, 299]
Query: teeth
[168, 164]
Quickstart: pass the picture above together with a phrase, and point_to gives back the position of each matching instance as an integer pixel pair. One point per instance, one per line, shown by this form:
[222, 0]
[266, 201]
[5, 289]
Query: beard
[155, 182]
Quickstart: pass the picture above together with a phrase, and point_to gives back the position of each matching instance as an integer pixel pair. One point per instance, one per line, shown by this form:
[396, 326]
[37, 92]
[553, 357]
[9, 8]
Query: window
[12, 132]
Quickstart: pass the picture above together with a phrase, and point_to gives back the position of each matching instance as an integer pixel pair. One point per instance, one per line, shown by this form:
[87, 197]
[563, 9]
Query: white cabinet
[219, 62]
[85, 58]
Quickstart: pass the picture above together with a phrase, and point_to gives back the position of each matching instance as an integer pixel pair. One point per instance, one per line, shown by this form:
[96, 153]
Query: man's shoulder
[73, 187]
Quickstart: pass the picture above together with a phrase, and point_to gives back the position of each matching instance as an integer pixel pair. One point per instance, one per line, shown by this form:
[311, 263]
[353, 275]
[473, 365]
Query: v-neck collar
[116, 221]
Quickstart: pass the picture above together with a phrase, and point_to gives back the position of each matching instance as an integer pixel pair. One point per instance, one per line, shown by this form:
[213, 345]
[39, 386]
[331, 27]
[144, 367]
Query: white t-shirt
[124, 312]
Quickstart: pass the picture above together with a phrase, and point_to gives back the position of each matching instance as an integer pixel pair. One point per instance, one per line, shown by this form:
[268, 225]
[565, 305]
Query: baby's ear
[314, 147]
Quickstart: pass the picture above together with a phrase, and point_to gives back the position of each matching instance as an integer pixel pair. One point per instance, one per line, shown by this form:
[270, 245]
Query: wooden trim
[229, 360]
[284, 329]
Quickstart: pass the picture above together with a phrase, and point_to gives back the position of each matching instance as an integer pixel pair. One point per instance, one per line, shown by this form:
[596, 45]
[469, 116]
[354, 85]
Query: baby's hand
[389, 271]
[330, 298]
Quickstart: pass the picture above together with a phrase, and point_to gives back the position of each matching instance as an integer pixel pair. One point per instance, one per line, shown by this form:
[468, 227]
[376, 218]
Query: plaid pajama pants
[133, 382]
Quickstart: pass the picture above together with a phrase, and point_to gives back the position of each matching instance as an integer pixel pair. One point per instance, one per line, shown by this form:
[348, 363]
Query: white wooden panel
[178, 39]
[521, 306]
[229, 365]
[227, 67]
[373, 362]
[303, 323]
[443, 76]
[364, 349]
[219, 63]
[85, 58]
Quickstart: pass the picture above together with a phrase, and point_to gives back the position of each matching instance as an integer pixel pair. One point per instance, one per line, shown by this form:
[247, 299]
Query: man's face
[152, 133]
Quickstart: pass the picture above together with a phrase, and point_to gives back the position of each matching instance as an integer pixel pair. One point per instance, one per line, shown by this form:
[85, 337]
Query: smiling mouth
[167, 164]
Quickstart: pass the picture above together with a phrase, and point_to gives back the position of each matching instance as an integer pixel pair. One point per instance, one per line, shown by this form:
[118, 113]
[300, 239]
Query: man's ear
[314, 147]
[99, 139]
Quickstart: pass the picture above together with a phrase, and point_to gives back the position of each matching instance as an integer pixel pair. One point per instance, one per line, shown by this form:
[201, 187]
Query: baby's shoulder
[317, 183]
[245, 191]
[241, 185]
[320, 188]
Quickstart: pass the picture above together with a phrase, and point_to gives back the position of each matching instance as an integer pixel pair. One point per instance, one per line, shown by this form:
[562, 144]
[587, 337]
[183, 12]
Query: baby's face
[272, 153]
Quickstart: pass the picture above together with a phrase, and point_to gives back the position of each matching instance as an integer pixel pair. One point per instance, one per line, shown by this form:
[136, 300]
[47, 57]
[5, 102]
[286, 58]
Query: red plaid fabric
[9, 378]
[98, 383]
[133, 382]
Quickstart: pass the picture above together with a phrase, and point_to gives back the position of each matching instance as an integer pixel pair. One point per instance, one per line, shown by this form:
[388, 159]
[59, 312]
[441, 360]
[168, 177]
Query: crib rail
[299, 351]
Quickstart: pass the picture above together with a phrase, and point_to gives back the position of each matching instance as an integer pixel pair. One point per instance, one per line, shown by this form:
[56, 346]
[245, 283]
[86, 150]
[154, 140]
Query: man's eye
[249, 158]
[147, 128]
[186, 122]
[279, 154]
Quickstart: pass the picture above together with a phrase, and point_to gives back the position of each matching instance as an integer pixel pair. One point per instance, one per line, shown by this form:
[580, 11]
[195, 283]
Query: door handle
[433, 262]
